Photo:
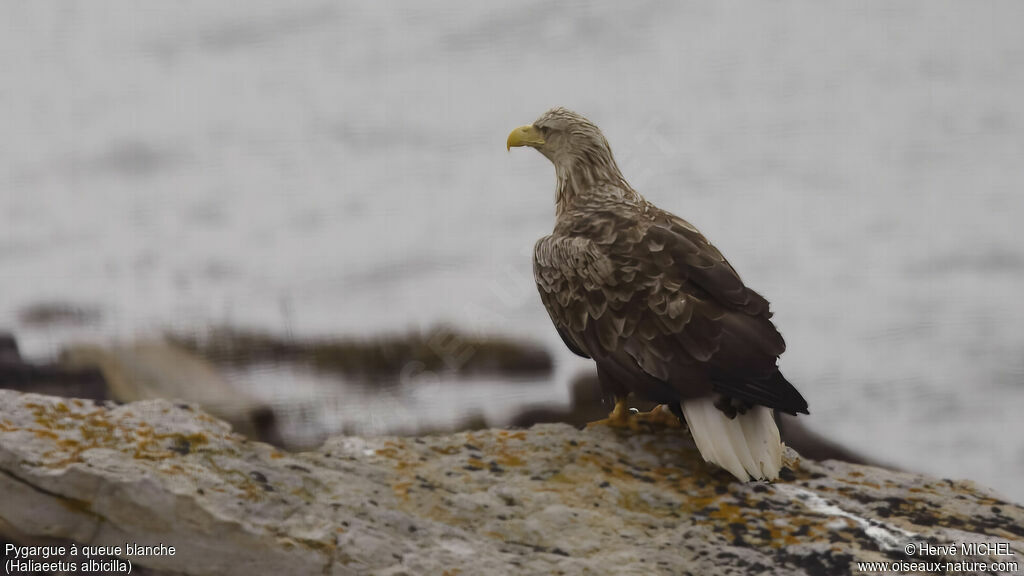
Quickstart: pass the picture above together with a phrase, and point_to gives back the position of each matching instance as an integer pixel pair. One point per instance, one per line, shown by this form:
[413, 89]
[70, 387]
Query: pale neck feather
[592, 173]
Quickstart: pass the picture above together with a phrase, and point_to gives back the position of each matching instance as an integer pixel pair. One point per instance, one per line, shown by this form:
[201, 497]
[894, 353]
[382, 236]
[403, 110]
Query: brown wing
[660, 310]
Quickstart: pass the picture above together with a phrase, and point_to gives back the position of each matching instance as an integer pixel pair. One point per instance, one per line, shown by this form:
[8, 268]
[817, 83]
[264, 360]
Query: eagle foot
[622, 417]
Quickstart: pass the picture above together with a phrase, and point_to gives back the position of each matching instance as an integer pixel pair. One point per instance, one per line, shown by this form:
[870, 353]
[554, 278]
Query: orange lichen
[402, 465]
[507, 459]
[76, 505]
[726, 511]
[45, 434]
[75, 432]
[401, 489]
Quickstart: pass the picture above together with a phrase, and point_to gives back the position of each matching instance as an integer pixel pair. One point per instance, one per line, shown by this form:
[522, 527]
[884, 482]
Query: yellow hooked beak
[524, 136]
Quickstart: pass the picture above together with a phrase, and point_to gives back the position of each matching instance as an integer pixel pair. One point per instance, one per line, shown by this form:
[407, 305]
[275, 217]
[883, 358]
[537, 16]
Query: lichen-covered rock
[549, 500]
[151, 369]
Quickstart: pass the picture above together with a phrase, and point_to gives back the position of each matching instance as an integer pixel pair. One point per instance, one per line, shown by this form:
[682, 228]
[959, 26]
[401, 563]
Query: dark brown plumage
[642, 292]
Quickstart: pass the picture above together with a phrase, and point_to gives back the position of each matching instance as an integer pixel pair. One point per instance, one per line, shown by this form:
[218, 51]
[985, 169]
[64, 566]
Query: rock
[17, 374]
[549, 500]
[814, 446]
[587, 405]
[54, 380]
[385, 359]
[157, 369]
[9, 353]
[58, 314]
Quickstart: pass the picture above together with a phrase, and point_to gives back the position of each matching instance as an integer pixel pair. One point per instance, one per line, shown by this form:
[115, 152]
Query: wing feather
[660, 309]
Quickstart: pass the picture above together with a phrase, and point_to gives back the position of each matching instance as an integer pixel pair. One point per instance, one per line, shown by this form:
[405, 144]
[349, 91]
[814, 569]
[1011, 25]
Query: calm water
[322, 168]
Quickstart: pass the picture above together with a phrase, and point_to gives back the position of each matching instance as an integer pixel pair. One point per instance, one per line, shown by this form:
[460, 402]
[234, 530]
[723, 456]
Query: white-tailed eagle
[658, 308]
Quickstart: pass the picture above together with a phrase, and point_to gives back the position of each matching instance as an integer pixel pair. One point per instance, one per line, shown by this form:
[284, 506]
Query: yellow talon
[623, 417]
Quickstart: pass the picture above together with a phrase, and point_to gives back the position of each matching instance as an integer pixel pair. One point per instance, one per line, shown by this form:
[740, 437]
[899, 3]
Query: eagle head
[568, 139]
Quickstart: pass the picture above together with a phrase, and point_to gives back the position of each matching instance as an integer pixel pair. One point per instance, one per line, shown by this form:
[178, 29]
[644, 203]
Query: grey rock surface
[548, 500]
[151, 369]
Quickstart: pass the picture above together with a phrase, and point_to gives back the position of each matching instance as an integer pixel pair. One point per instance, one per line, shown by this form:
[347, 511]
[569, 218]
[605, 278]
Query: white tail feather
[748, 445]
